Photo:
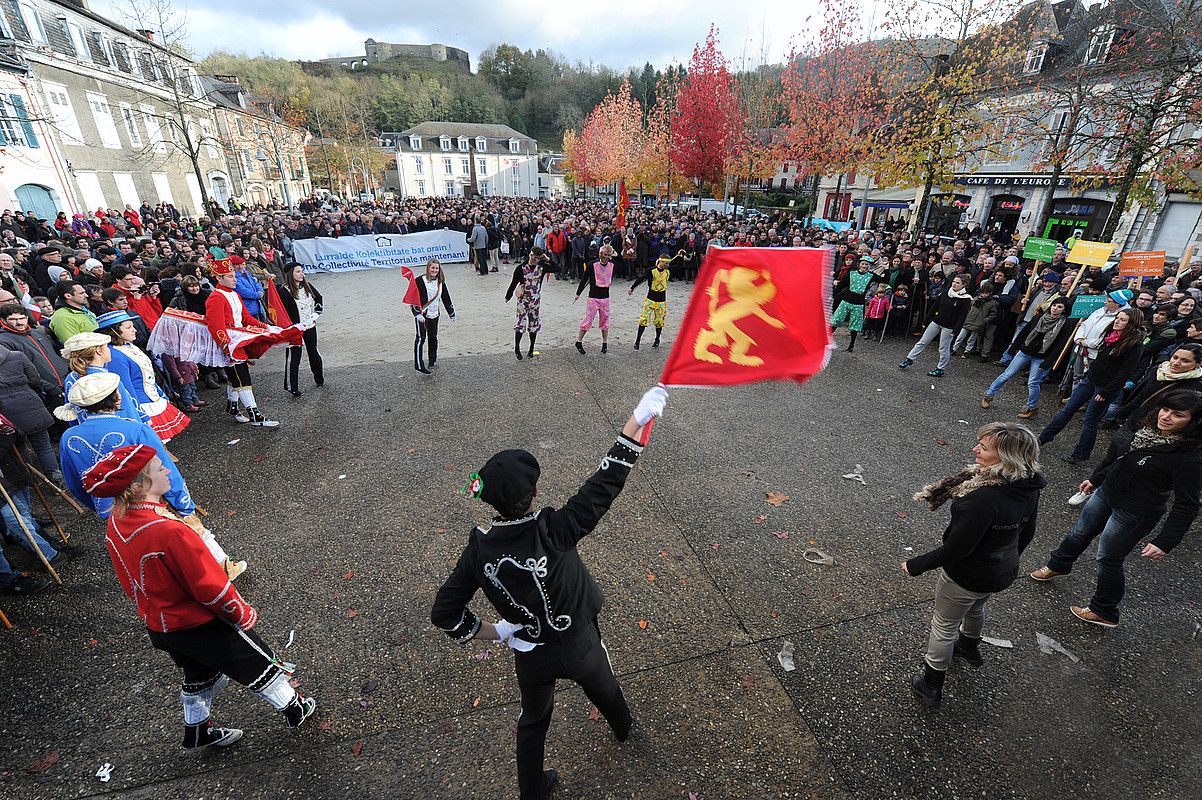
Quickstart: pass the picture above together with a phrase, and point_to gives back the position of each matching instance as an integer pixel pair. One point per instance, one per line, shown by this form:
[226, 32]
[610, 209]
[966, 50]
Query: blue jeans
[1085, 393]
[1117, 532]
[13, 528]
[187, 393]
[1013, 368]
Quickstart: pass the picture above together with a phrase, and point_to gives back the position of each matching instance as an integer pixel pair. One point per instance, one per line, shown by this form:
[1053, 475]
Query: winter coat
[984, 312]
[290, 303]
[1110, 370]
[41, 351]
[1140, 482]
[194, 303]
[19, 400]
[1042, 348]
[950, 312]
[989, 529]
[1136, 406]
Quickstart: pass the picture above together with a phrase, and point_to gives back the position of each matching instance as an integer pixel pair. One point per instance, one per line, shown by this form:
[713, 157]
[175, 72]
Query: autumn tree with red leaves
[706, 126]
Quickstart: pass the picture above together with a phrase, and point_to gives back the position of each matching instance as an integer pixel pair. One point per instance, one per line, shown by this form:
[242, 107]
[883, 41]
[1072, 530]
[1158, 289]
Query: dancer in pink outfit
[598, 277]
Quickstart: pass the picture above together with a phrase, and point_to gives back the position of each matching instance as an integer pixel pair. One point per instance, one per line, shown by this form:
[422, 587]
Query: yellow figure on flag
[748, 296]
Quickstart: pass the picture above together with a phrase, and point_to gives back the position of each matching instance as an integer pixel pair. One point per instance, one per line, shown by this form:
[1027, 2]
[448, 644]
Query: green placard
[1086, 304]
[1040, 249]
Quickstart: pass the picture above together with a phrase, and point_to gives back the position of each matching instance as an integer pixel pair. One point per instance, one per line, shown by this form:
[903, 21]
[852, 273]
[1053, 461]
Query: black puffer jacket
[950, 312]
[989, 529]
[1140, 482]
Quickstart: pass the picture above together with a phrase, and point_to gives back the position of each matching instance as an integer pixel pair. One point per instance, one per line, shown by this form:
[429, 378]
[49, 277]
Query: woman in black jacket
[1115, 364]
[948, 313]
[995, 503]
[303, 303]
[1047, 334]
[1183, 370]
[431, 290]
[1128, 495]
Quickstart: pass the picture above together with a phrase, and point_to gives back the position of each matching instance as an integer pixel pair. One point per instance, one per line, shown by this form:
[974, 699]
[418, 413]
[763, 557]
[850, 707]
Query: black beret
[508, 478]
[47, 250]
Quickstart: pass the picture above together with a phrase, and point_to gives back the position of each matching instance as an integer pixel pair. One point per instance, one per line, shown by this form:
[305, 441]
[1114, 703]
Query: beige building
[266, 155]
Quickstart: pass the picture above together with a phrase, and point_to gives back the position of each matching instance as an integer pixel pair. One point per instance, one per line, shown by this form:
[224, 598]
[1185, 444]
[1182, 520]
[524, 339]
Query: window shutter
[31, 138]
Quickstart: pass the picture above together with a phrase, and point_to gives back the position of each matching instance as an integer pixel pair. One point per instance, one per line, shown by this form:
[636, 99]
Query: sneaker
[260, 421]
[1044, 574]
[655, 343]
[1078, 499]
[636, 345]
[605, 347]
[550, 781]
[204, 735]
[936, 373]
[517, 351]
[299, 710]
[580, 348]
[986, 401]
[905, 362]
[1085, 615]
[294, 393]
[1073, 459]
[423, 370]
[1027, 413]
[24, 584]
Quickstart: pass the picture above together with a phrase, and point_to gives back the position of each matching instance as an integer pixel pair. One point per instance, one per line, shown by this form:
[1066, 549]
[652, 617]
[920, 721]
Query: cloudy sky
[618, 33]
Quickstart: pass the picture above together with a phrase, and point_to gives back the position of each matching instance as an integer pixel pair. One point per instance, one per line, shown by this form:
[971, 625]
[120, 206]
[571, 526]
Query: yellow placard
[1090, 254]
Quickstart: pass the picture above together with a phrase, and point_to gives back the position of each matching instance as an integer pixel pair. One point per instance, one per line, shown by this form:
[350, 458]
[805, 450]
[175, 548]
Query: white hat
[91, 389]
[82, 341]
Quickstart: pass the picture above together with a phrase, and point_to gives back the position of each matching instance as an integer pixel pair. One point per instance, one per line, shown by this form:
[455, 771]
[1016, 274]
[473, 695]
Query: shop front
[947, 213]
[1082, 217]
[1004, 213]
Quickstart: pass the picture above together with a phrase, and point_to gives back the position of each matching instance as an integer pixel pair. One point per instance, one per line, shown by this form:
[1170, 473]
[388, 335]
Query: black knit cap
[508, 478]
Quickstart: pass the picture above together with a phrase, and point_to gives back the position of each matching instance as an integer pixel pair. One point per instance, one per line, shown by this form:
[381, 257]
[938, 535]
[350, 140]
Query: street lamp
[363, 173]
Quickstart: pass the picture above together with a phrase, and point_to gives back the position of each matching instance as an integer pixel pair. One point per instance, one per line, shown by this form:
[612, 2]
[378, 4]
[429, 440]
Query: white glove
[505, 633]
[651, 405]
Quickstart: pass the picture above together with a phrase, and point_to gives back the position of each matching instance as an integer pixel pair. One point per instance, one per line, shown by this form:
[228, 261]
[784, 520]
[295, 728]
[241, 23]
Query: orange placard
[1147, 264]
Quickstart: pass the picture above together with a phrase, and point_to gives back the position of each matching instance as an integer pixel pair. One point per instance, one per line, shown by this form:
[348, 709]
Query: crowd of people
[83, 359]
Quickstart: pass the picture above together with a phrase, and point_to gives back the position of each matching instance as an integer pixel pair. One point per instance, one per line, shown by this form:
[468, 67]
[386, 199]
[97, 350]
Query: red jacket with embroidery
[219, 315]
[165, 568]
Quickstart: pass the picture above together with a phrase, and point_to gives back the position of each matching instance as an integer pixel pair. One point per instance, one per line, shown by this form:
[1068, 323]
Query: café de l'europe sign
[1019, 181]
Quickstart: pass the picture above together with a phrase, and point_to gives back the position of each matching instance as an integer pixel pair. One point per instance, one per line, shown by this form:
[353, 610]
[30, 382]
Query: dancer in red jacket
[190, 609]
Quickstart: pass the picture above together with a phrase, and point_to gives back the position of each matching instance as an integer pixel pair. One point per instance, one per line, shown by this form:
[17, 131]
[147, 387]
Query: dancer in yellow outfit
[655, 307]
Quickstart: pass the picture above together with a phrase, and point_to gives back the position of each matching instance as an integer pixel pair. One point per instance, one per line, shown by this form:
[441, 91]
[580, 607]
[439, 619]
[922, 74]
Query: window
[463, 144]
[247, 165]
[482, 166]
[97, 48]
[1035, 56]
[450, 188]
[415, 142]
[444, 142]
[62, 113]
[105, 126]
[154, 128]
[241, 128]
[481, 145]
[417, 164]
[1099, 45]
[206, 132]
[33, 23]
[146, 66]
[446, 167]
[122, 57]
[513, 146]
[6, 32]
[59, 35]
[465, 165]
[421, 187]
[15, 127]
[131, 125]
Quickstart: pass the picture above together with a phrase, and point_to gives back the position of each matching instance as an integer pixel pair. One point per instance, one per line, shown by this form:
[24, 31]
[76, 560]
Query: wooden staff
[1068, 346]
[1183, 267]
[4, 619]
[29, 535]
[63, 493]
[1030, 286]
[62, 534]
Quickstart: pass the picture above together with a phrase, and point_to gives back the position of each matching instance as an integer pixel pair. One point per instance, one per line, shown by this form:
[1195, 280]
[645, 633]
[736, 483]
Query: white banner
[383, 251]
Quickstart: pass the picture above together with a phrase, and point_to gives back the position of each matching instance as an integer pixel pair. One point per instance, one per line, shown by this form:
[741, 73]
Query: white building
[32, 179]
[441, 159]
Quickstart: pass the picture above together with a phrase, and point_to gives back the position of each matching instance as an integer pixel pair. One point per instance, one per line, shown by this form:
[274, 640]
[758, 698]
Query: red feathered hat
[112, 474]
[221, 266]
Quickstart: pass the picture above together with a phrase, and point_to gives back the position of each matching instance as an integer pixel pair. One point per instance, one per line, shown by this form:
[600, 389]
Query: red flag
[411, 297]
[276, 313]
[757, 314]
[623, 203]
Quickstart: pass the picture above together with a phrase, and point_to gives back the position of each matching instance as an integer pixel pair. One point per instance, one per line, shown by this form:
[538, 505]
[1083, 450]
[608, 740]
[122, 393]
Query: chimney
[146, 34]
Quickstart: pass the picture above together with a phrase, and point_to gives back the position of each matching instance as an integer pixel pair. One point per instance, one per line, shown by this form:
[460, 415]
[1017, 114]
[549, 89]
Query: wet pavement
[350, 517]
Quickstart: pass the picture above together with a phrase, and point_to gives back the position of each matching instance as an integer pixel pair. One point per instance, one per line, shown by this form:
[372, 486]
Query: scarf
[1151, 437]
[1046, 329]
[955, 486]
[1163, 373]
[959, 294]
[1112, 337]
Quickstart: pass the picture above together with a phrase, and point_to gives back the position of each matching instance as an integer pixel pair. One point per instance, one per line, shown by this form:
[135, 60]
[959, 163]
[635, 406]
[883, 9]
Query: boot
[530, 352]
[202, 735]
[550, 781]
[639, 336]
[211, 381]
[658, 332]
[231, 408]
[260, 421]
[299, 710]
[517, 344]
[852, 345]
[969, 649]
[604, 347]
[929, 686]
[580, 348]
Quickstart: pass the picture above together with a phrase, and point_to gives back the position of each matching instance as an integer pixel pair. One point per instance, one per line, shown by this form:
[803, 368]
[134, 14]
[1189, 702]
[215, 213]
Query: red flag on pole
[623, 203]
[411, 298]
[757, 314]
[276, 313]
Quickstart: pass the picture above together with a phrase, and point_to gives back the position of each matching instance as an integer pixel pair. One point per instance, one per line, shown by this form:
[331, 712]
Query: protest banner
[380, 251]
[1090, 254]
[1086, 304]
[1149, 264]
[1039, 249]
